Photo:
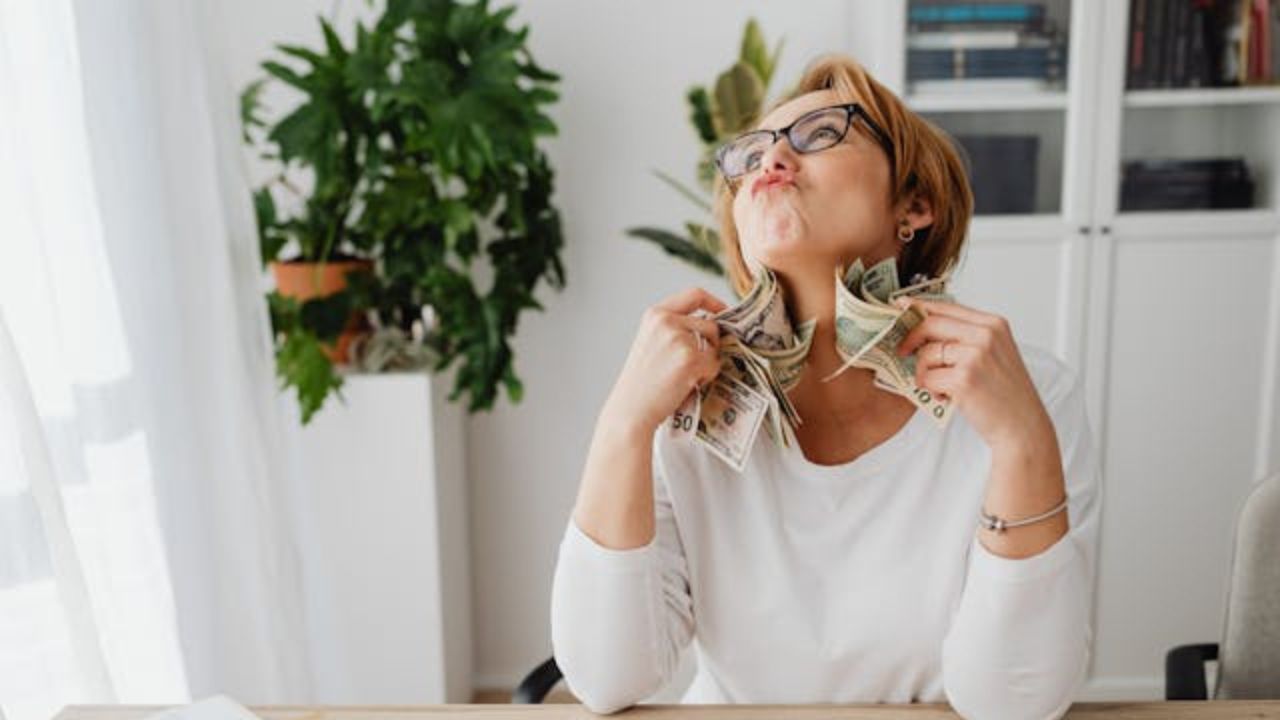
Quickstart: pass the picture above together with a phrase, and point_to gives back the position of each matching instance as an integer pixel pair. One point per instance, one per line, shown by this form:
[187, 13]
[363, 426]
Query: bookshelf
[1123, 297]
[1087, 122]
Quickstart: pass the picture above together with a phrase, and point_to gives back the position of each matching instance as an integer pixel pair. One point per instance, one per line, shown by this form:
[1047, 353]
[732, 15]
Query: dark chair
[535, 686]
[1249, 652]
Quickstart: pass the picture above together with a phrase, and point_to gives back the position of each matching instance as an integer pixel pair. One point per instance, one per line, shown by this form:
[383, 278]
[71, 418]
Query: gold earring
[905, 233]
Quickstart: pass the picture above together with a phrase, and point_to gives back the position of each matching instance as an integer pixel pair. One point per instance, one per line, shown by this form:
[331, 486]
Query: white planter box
[381, 513]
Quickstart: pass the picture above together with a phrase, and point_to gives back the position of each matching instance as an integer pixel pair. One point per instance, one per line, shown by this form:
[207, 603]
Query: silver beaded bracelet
[991, 522]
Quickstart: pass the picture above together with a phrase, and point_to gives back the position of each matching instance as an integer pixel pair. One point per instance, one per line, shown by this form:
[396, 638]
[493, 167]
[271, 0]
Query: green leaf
[287, 74]
[326, 316]
[683, 248]
[754, 52]
[515, 389]
[773, 62]
[249, 106]
[332, 42]
[704, 238]
[270, 239]
[707, 172]
[311, 57]
[304, 134]
[700, 115]
[739, 97]
[532, 71]
[284, 313]
[302, 364]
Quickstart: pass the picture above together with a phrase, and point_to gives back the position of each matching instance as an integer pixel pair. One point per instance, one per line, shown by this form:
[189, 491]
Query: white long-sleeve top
[861, 582]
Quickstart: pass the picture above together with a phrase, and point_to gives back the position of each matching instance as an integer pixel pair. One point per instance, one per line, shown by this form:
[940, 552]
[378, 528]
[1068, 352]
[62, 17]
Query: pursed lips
[770, 183]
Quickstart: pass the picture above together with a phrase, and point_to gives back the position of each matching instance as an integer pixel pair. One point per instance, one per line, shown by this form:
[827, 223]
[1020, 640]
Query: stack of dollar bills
[869, 328]
[762, 357]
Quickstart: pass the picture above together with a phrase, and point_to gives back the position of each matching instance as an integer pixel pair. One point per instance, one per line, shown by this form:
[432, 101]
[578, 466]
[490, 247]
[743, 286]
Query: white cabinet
[381, 512]
[1173, 317]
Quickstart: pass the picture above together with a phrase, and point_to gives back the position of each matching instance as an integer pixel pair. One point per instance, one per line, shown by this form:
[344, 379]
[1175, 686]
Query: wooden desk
[1127, 710]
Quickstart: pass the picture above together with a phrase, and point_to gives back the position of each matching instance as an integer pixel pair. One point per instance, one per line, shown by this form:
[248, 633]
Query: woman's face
[829, 207]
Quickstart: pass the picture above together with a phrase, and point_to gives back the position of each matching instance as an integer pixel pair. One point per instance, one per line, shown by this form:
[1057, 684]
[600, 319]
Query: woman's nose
[780, 155]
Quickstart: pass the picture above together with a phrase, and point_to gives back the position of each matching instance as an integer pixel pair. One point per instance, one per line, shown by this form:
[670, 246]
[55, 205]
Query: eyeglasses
[812, 132]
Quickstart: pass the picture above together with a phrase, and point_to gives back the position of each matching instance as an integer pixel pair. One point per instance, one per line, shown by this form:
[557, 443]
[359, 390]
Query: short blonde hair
[925, 161]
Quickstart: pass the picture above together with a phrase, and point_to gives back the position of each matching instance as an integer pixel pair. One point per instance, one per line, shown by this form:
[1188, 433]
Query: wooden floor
[491, 696]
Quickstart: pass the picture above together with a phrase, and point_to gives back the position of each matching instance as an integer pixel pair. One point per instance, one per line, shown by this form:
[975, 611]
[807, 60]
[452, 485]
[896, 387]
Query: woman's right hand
[666, 361]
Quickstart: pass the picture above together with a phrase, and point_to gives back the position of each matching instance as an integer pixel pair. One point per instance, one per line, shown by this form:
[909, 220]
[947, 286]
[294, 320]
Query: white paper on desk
[217, 707]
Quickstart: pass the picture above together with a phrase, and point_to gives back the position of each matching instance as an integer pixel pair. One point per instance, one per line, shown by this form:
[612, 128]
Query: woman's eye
[823, 132]
[753, 160]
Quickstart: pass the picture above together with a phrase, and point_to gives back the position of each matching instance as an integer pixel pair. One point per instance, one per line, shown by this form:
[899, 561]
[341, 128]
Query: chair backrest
[1249, 657]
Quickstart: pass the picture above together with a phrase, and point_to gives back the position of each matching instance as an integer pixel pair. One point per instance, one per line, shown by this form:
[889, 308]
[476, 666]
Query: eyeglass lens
[815, 131]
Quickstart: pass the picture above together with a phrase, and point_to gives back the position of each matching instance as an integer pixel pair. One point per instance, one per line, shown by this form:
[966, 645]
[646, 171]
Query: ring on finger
[702, 341]
[942, 354]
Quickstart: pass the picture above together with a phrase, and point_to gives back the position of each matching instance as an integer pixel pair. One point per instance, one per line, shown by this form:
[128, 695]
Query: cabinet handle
[1086, 230]
[1106, 229]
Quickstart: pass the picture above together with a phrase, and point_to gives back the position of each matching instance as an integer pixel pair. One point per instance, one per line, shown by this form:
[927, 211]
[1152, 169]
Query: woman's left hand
[969, 356]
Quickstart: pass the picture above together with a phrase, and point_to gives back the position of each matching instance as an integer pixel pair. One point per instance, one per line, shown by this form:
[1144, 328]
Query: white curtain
[144, 552]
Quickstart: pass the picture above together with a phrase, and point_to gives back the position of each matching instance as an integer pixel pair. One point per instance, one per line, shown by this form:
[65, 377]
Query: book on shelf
[964, 42]
[1034, 72]
[1002, 172]
[1186, 184]
[968, 16]
[1257, 35]
[963, 39]
[1202, 43]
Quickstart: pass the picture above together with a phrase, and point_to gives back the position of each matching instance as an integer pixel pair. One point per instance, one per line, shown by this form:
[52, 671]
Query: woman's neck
[809, 292]
[851, 393]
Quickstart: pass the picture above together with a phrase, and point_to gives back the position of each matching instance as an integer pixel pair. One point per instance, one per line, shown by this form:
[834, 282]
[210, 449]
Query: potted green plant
[729, 107]
[408, 170]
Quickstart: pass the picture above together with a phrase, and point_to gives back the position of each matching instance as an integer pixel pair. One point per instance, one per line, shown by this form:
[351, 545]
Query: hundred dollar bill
[869, 328]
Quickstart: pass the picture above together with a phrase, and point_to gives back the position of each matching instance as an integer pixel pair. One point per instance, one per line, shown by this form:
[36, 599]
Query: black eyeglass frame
[851, 110]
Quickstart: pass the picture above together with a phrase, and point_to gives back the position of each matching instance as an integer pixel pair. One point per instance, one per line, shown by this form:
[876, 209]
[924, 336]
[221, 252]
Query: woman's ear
[917, 209]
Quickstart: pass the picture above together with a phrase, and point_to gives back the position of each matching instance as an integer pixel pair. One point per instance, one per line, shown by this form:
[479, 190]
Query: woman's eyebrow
[762, 127]
[797, 117]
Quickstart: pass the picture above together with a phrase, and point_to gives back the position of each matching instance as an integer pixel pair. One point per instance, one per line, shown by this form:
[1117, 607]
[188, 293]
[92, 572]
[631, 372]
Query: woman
[851, 566]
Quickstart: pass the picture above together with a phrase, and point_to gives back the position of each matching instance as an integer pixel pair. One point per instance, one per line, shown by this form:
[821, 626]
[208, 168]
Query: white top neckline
[868, 464]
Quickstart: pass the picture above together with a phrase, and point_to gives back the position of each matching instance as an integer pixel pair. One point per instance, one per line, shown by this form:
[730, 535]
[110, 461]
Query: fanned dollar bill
[869, 328]
[762, 356]
[729, 420]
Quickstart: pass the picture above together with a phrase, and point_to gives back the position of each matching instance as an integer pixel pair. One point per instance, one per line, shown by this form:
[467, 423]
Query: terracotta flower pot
[307, 280]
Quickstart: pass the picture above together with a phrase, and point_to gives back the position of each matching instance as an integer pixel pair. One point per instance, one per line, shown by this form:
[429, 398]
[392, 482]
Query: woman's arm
[615, 498]
[620, 606]
[1020, 641]
[666, 363]
[1021, 638]
[620, 619]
